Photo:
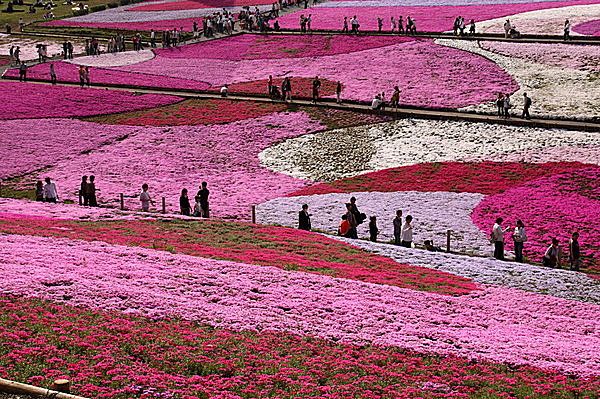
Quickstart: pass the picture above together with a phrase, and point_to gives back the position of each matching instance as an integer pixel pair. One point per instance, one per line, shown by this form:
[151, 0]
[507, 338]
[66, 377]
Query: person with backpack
[519, 237]
[497, 238]
[552, 255]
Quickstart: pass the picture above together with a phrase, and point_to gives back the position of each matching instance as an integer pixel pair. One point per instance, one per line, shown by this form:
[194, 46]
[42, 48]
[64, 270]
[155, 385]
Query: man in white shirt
[50, 193]
[376, 103]
[497, 237]
[407, 233]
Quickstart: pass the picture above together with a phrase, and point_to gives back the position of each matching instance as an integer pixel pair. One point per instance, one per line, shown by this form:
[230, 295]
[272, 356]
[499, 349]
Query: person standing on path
[145, 198]
[203, 193]
[472, 28]
[338, 92]
[345, 28]
[519, 237]
[91, 191]
[395, 99]
[39, 191]
[398, 228]
[304, 219]
[507, 28]
[379, 24]
[52, 74]
[392, 24]
[50, 193]
[497, 238]
[83, 197]
[574, 252]
[351, 218]
[506, 106]
[81, 71]
[526, 105]
[23, 72]
[373, 230]
[316, 85]
[184, 203]
[407, 233]
[552, 255]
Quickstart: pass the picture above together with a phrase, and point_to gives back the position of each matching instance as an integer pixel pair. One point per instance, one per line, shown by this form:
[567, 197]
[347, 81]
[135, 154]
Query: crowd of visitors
[503, 105]
[403, 235]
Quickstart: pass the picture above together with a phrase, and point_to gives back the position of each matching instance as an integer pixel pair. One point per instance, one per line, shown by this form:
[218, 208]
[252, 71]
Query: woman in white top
[50, 192]
[519, 237]
[552, 255]
[407, 233]
[497, 237]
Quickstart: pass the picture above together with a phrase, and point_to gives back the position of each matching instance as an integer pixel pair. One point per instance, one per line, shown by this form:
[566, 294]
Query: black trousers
[499, 250]
[518, 251]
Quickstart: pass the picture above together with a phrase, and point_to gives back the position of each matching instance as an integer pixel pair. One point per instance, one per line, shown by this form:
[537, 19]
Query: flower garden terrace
[130, 304]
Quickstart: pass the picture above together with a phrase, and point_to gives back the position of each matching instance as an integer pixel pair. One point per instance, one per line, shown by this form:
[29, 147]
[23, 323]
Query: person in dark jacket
[184, 203]
[83, 192]
[91, 191]
[304, 218]
[373, 230]
[398, 227]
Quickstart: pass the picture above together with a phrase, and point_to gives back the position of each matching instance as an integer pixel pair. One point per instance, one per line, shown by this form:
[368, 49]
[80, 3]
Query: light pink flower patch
[27, 100]
[499, 324]
[67, 72]
[428, 74]
[585, 58]
[172, 158]
[192, 5]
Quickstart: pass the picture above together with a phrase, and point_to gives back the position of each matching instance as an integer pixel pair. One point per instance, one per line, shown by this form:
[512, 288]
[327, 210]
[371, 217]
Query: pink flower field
[257, 300]
[591, 28]
[32, 101]
[428, 74]
[428, 17]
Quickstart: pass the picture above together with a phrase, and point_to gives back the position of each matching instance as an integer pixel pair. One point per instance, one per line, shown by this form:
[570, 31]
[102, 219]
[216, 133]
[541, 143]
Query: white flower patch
[28, 47]
[434, 213]
[335, 154]
[555, 91]
[114, 59]
[549, 21]
[558, 283]
[122, 14]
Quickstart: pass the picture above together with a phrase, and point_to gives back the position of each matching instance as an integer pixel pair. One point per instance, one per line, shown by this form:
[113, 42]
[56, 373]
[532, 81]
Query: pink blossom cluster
[496, 324]
[67, 72]
[166, 24]
[428, 74]
[255, 47]
[35, 101]
[191, 361]
[591, 28]
[585, 58]
[172, 158]
[428, 17]
[550, 207]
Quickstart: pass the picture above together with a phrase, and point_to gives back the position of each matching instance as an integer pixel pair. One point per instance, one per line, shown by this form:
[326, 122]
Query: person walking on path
[526, 105]
[567, 31]
[304, 219]
[83, 190]
[338, 92]
[50, 192]
[184, 203]
[91, 191]
[203, 193]
[407, 233]
[472, 28]
[507, 28]
[145, 198]
[392, 24]
[373, 230]
[81, 72]
[316, 85]
[351, 218]
[574, 252]
[400, 25]
[497, 238]
[398, 228]
[23, 72]
[345, 28]
[355, 25]
[39, 191]
[379, 24]
[287, 86]
[519, 237]
[500, 104]
[552, 255]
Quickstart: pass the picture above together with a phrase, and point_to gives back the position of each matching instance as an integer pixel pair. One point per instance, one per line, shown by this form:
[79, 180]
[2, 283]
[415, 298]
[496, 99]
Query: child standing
[373, 230]
[145, 198]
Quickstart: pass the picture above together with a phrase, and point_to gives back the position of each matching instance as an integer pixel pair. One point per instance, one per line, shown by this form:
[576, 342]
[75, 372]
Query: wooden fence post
[0, 187]
[448, 240]
[164, 205]
[253, 214]
[122, 202]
